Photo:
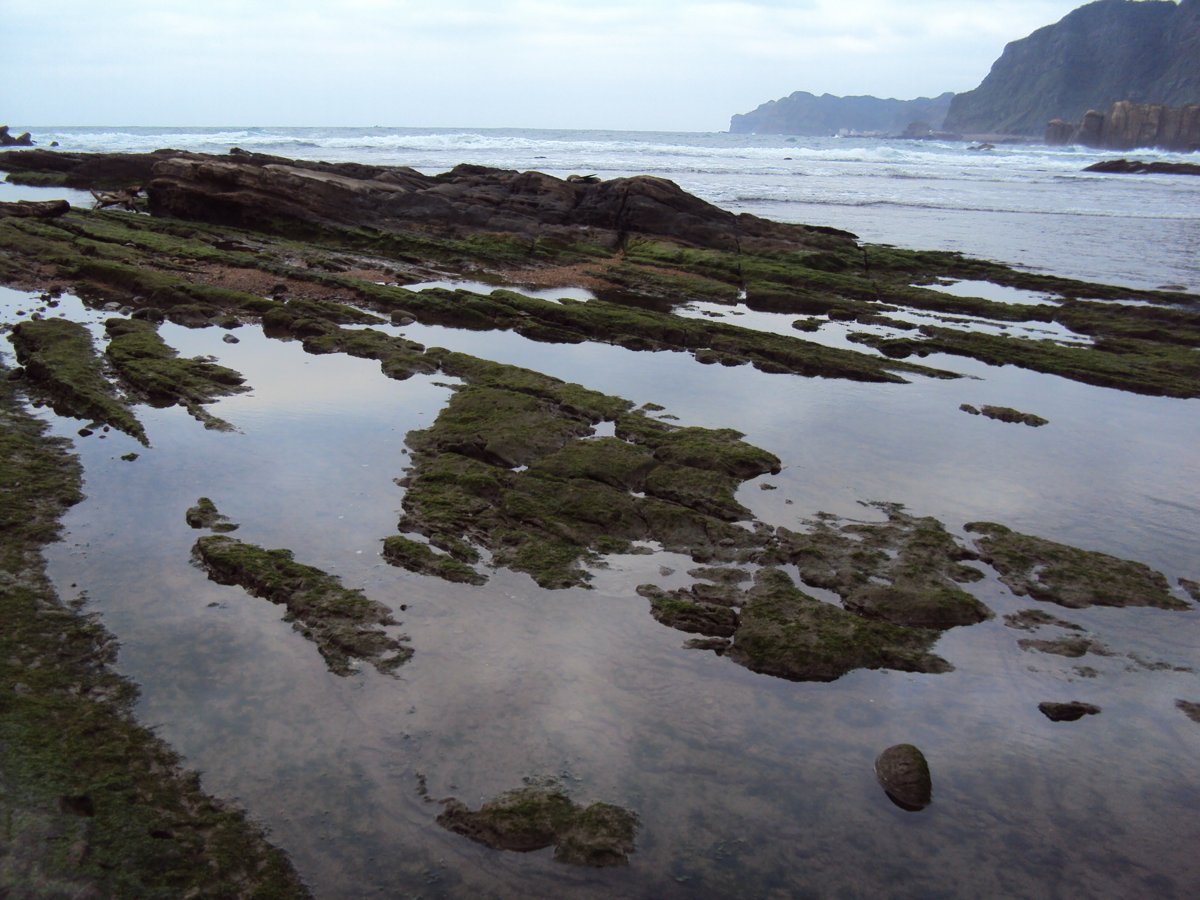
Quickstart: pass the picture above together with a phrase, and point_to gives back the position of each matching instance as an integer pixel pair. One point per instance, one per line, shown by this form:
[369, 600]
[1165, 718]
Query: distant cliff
[1128, 125]
[1111, 50]
[806, 114]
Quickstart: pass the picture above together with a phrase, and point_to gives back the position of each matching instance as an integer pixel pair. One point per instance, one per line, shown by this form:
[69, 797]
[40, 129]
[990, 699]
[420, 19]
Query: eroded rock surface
[1071, 577]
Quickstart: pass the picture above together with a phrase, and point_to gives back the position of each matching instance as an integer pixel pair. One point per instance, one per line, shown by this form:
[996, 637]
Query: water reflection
[745, 785]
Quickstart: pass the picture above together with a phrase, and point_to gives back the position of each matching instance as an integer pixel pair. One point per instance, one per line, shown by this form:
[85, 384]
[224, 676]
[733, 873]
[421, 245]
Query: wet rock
[1008, 414]
[206, 515]
[903, 772]
[34, 209]
[418, 557]
[683, 611]
[1192, 587]
[1032, 619]
[784, 632]
[230, 339]
[903, 570]
[345, 625]
[1189, 709]
[1067, 712]
[535, 817]
[1071, 647]
[1071, 577]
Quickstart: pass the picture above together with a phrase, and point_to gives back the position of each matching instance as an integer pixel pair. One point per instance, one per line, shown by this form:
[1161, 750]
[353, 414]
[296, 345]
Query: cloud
[684, 64]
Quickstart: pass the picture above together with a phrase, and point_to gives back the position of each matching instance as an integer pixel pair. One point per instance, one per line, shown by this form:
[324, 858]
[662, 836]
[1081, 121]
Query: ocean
[745, 785]
[1024, 204]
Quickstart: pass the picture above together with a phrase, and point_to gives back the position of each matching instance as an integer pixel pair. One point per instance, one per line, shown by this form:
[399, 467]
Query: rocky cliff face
[1102, 53]
[1127, 125]
[803, 113]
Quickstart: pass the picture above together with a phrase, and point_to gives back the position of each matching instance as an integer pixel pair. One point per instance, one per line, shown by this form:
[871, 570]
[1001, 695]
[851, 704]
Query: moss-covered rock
[904, 570]
[344, 624]
[788, 633]
[418, 557]
[1071, 577]
[91, 803]
[155, 371]
[61, 363]
[536, 817]
[206, 515]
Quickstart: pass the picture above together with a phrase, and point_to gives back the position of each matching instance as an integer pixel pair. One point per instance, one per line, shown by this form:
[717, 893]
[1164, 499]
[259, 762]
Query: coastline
[235, 276]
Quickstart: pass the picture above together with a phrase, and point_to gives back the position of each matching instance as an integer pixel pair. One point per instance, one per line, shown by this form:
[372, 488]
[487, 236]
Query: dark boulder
[1067, 712]
[903, 772]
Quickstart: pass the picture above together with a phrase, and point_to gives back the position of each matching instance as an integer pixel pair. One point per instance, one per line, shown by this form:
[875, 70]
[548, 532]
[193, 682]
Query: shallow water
[745, 785]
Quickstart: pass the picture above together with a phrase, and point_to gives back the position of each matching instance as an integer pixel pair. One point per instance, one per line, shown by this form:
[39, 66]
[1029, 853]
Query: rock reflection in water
[743, 784]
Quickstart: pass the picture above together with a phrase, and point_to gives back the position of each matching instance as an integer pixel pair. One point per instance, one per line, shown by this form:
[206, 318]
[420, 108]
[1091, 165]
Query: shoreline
[305, 278]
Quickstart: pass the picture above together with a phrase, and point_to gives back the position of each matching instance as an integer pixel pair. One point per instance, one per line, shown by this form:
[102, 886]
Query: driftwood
[126, 199]
[34, 209]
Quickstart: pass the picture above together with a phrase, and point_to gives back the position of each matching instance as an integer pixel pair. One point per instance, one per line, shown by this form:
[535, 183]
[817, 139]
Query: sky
[654, 65]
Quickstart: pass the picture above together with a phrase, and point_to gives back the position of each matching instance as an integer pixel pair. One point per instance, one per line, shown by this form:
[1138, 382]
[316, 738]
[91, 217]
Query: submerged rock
[903, 772]
[1189, 709]
[1032, 619]
[206, 515]
[533, 818]
[1067, 712]
[344, 624]
[903, 570]
[1074, 578]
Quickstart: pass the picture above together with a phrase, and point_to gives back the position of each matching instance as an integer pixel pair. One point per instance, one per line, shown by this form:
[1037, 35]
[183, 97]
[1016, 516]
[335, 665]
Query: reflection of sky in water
[745, 785]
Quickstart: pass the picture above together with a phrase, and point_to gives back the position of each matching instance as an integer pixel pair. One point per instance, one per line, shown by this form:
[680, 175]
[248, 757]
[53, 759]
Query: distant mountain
[806, 114]
[1111, 50]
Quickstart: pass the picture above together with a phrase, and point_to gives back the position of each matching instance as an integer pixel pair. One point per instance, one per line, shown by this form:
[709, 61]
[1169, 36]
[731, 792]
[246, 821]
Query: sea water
[1024, 204]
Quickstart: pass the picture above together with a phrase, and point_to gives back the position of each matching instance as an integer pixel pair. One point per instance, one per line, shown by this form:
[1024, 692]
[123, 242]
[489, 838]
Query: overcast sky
[684, 65]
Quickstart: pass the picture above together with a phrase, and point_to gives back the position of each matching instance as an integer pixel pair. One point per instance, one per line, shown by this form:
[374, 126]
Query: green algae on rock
[344, 624]
[512, 464]
[91, 803]
[1071, 647]
[60, 361]
[156, 372]
[1032, 619]
[785, 632]
[206, 515]
[536, 817]
[903, 571]
[1071, 577]
[1006, 414]
[418, 557]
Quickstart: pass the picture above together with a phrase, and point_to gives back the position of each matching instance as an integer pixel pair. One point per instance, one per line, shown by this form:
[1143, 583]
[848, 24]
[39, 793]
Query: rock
[1137, 167]
[205, 515]
[903, 772]
[230, 339]
[255, 189]
[34, 209]
[1189, 709]
[1127, 125]
[1097, 55]
[535, 817]
[1071, 577]
[7, 140]
[1067, 712]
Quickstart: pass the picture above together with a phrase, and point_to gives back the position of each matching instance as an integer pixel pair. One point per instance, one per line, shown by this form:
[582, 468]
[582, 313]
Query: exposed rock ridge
[1097, 55]
[1127, 125]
